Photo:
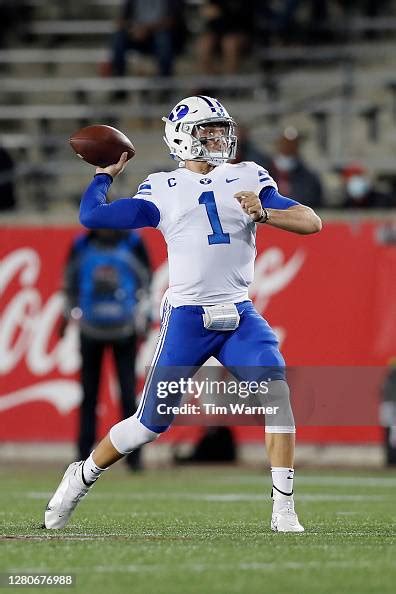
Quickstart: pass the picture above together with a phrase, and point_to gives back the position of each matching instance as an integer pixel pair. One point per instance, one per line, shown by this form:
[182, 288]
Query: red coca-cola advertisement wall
[330, 297]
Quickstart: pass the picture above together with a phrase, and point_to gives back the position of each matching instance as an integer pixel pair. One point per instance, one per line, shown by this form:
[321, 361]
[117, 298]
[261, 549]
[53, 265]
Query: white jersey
[211, 240]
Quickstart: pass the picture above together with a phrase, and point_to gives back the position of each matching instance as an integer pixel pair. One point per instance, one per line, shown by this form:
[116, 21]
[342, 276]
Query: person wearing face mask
[359, 191]
[291, 173]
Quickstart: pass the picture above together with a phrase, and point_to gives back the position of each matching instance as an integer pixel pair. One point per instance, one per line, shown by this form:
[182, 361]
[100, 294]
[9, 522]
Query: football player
[208, 210]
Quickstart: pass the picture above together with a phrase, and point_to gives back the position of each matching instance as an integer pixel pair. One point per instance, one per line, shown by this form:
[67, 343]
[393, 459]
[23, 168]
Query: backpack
[108, 282]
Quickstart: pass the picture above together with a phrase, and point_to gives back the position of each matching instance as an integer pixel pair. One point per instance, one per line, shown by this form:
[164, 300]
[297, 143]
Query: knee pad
[130, 434]
[278, 397]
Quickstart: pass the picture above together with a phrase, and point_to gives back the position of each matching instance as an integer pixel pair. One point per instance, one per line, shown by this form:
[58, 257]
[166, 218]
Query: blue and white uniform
[211, 252]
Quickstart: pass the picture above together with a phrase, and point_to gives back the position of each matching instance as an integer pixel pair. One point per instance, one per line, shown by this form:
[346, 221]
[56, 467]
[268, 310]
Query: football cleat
[284, 518]
[63, 502]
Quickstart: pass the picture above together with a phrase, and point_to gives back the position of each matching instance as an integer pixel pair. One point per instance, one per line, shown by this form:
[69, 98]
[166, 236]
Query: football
[101, 145]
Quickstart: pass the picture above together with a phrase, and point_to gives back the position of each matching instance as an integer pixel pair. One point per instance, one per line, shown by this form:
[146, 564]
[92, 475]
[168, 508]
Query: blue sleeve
[125, 213]
[270, 198]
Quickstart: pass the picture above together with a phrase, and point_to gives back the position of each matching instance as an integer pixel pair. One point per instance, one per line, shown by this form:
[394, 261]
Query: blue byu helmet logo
[178, 113]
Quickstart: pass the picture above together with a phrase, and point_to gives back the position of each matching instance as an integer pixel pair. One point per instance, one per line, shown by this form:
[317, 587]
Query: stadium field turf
[204, 530]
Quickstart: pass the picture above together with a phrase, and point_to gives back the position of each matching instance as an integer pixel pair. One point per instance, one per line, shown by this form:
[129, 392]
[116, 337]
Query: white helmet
[184, 137]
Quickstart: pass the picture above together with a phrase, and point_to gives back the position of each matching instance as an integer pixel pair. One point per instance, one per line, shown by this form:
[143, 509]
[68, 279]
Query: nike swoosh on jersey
[228, 181]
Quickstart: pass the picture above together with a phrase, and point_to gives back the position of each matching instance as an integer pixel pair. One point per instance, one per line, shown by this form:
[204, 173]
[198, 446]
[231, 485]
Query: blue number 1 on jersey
[218, 235]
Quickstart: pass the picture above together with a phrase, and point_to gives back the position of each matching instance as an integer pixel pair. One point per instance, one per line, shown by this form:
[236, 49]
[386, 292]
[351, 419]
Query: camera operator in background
[107, 289]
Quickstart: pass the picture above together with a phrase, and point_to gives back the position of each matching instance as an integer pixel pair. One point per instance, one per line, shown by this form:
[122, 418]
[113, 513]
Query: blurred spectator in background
[7, 172]
[154, 27]
[246, 149]
[227, 29]
[107, 288]
[358, 189]
[388, 413]
[293, 176]
[315, 21]
[315, 27]
[15, 15]
[369, 8]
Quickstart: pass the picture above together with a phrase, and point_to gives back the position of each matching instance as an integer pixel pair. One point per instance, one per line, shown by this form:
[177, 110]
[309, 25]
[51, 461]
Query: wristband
[264, 216]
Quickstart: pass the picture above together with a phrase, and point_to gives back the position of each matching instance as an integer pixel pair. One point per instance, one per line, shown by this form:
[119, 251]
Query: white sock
[282, 481]
[91, 472]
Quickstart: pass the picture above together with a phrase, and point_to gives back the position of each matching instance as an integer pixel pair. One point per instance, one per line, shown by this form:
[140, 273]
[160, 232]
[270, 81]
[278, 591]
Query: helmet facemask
[214, 141]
